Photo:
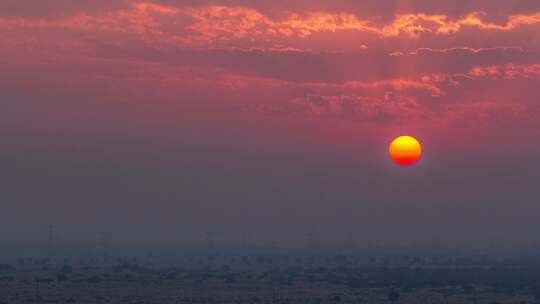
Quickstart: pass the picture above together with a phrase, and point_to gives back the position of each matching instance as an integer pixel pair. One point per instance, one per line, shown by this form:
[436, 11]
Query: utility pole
[50, 241]
[312, 239]
[104, 245]
[211, 239]
[350, 239]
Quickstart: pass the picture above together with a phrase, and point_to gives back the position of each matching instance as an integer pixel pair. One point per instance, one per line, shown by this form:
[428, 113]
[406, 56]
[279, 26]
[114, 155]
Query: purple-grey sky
[159, 121]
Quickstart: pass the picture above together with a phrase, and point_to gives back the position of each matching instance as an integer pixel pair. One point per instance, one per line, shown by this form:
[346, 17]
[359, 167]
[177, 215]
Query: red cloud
[297, 60]
[509, 71]
[236, 26]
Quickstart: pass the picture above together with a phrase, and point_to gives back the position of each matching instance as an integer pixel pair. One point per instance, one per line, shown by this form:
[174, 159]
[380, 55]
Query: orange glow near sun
[405, 150]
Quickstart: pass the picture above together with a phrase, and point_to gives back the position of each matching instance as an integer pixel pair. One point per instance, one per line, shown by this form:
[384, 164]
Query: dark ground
[259, 277]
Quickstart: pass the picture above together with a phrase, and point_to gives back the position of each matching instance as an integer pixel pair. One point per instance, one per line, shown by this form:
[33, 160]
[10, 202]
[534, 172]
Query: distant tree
[7, 279]
[61, 277]
[333, 278]
[355, 282]
[285, 280]
[336, 298]
[394, 296]
[93, 279]
[6, 268]
[230, 279]
[168, 276]
[225, 268]
[536, 293]
[67, 269]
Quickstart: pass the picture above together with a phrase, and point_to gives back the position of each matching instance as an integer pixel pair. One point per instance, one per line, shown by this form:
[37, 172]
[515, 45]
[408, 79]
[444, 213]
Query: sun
[405, 150]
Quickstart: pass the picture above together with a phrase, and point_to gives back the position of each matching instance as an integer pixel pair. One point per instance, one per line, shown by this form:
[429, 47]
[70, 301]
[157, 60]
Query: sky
[161, 121]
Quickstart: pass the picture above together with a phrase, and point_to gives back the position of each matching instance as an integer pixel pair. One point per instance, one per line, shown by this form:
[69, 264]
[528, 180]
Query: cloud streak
[408, 64]
[244, 27]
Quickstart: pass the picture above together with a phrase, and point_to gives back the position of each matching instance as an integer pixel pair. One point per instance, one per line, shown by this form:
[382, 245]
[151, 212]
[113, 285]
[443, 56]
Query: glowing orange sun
[405, 150]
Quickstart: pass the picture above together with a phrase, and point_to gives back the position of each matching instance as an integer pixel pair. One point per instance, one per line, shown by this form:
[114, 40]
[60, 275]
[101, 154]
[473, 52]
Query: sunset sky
[159, 121]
